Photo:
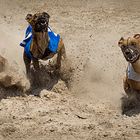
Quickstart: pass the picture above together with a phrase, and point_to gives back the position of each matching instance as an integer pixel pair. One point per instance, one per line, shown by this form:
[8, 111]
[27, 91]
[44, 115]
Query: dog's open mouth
[130, 53]
[41, 25]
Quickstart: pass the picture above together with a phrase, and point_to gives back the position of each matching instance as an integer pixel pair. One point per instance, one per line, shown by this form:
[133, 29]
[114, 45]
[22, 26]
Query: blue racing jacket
[53, 41]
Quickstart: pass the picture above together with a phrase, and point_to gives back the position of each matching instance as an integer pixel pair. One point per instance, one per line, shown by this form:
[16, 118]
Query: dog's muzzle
[131, 53]
[41, 25]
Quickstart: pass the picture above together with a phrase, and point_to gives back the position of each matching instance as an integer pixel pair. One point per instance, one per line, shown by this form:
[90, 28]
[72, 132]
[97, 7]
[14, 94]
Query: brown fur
[3, 63]
[130, 86]
[40, 44]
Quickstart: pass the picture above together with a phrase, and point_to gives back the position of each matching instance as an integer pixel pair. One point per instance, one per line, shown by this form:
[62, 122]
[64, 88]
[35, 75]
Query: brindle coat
[39, 46]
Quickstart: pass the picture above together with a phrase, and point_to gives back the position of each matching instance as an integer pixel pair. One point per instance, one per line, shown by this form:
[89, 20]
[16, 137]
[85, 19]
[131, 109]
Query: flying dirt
[85, 102]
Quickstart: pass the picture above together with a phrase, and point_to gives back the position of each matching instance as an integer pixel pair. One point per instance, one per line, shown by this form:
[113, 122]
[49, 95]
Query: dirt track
[91, 108]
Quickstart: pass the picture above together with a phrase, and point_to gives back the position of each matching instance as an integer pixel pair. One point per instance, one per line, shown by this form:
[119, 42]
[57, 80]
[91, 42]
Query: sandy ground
[91, 108]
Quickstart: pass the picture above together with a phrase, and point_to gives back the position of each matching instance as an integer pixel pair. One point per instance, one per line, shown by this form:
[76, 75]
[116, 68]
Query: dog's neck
[136, 66]
[39, 43]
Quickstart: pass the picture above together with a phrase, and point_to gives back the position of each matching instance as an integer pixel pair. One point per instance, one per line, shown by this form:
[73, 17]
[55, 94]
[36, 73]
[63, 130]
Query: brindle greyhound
[131, 51]
[40, 40]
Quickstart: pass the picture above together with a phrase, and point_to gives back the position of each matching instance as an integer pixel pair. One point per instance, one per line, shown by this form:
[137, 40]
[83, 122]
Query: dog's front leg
[35, 64]
[127, 88]
[61, 53]
[36, 75]
[58, 63]
[27, 62]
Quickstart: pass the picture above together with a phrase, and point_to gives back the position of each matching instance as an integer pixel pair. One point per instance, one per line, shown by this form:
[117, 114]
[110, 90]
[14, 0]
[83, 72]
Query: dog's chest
[47, 54]
[131, 74]
[37, 54]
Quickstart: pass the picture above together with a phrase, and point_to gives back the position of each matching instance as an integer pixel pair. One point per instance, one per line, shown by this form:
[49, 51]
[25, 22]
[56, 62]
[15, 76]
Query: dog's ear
[120, 43]
[29, 18]
[46, 15]
[137, 36]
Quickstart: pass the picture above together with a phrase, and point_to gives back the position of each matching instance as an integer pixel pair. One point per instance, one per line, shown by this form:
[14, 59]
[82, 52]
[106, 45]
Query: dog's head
[130, 48]
[38, 21]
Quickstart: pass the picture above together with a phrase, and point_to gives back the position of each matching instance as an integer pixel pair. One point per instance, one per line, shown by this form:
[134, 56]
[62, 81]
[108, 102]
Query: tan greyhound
[131, 51]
